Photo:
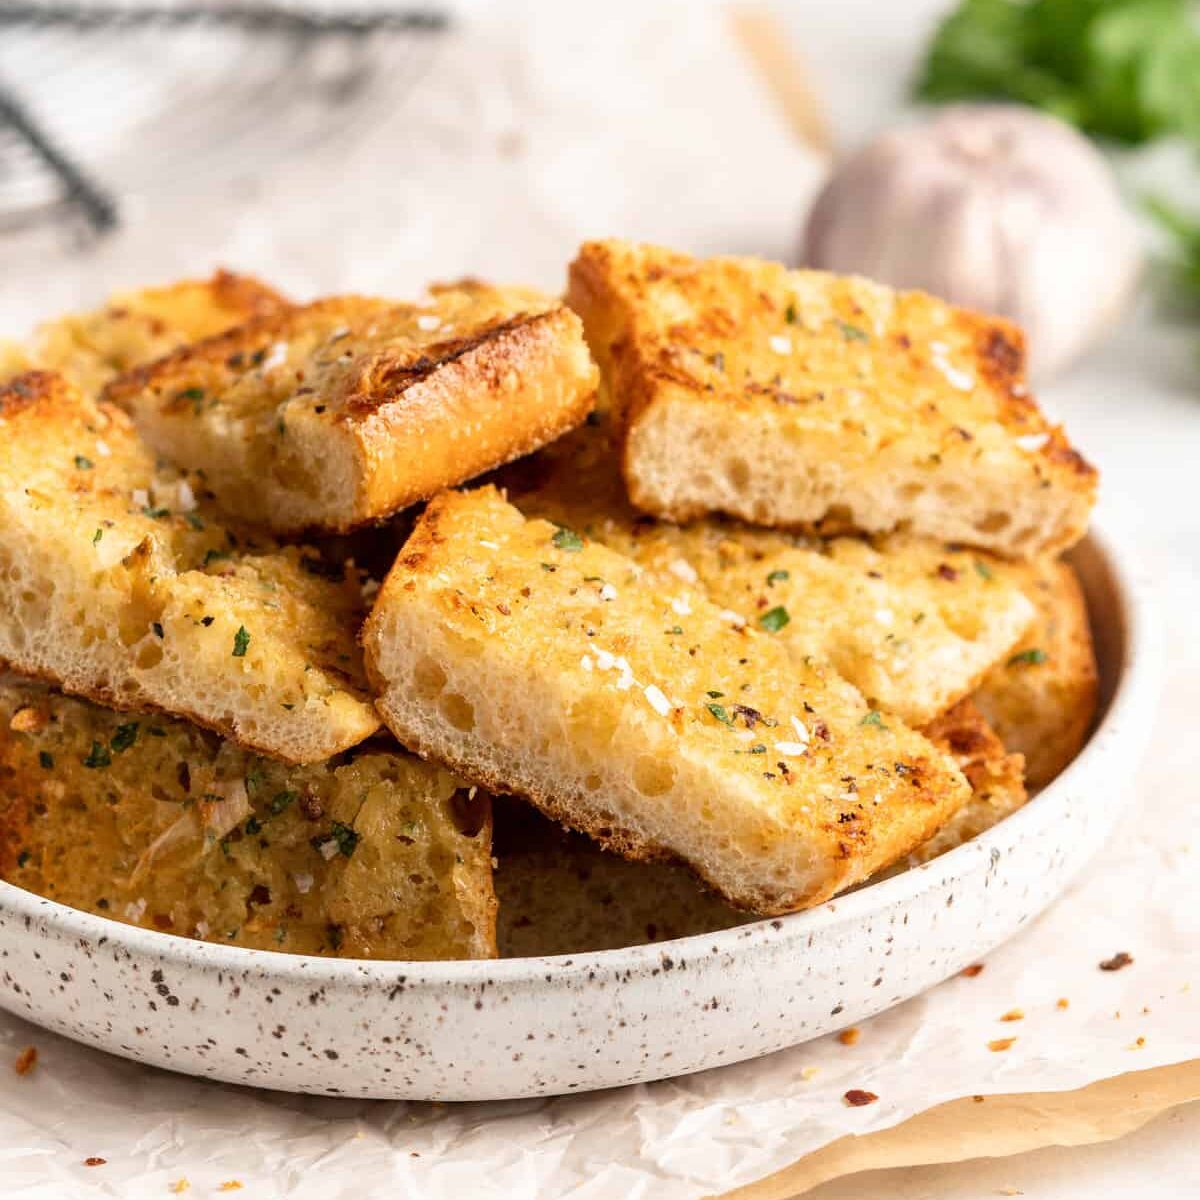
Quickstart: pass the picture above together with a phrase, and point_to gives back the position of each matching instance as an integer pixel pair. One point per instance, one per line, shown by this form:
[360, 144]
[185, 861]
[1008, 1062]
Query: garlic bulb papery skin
[997, 208]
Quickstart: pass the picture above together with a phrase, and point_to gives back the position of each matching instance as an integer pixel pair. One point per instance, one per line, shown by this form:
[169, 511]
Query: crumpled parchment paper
[525, 136]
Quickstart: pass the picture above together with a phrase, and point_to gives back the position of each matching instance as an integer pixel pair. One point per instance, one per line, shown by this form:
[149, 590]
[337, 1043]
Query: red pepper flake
[26, 1060]
[947, 572]
[857, 1098]
[94, 1161]
[1118, 961]
[971, 971]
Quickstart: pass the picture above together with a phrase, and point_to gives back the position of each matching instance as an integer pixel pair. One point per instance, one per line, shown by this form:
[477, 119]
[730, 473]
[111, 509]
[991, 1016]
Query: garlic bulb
[994, 207]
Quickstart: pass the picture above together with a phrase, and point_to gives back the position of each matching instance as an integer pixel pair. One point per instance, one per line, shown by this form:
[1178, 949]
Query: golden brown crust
[808, 369]
[1041, 699]
[997, 779]
[137, 327]
[341, 412]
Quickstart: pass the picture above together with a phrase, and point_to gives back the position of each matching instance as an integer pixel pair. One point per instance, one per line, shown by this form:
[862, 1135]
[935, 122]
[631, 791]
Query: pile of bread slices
[754, 585]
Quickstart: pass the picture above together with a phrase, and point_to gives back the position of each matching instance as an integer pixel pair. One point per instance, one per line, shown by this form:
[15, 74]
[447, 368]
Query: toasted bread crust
[341, 412]
[997, 778]
[119, 583]
[136, 327]
[1041, 698]
[805, 400]
[616, 732]
[148, 820]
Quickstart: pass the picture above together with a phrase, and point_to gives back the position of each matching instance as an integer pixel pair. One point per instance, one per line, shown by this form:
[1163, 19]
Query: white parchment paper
[525, 136]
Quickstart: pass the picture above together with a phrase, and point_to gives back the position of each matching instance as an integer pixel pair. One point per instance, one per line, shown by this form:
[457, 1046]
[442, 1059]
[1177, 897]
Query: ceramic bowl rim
[1134, 676]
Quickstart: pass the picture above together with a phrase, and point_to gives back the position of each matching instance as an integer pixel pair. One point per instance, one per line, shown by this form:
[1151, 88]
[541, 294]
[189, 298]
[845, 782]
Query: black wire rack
[99, 101]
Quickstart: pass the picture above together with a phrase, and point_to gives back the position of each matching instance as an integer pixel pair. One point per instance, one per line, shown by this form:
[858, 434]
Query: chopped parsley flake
[253, 825]
[281, 801]
[549, 567]
[1031, 657]
[343, 836]
[211, 556]
[46, 759]
[852, 333]
[757, 748]
[124, 737]
[719, 711]
[791, 314]
[567, 539]
[155, 513]
[715, 695]
[98, 757]
[983, 570]
[241, 642]
[675, 630]
[194, 521]
[774, 619]
[777, 577]
[83, 463]
[97, 536]
[874, 717]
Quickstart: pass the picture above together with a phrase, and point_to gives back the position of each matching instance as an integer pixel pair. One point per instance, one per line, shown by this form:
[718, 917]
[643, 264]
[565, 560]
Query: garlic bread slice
[344, 411]
[1041, 699]
[119, 582]
[136, 327]
[913, 623]
[536, 662]
[806, 400]
[152, 821]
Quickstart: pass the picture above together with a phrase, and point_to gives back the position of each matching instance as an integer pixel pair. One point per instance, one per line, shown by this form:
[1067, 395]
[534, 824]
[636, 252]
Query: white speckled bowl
[530, 1027]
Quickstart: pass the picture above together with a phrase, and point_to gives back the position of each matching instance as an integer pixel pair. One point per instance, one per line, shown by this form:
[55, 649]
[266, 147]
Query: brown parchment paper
[992, 1127]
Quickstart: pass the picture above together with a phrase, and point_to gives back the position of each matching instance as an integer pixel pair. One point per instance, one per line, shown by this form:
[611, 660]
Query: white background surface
[701, 161]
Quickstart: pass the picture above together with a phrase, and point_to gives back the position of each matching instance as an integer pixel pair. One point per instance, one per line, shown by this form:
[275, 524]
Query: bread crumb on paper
[848, 1037]
[179, 1187]
[1063, 1003]
[1118, 962]
[231, 1185]
[94, 1161]
[971, 971]
[26, 1060]
[1014, 1014]
[999, 1044]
